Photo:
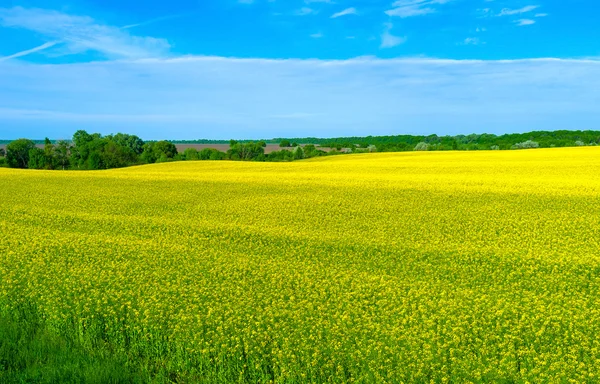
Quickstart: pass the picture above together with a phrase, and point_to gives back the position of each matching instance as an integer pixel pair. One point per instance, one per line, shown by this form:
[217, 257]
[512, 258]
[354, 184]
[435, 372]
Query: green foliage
[311, 151]
[246, 151]
[283, 155]
[159, 152]
[299, 153]
[62, 152]
[399, 143]
[114, 155]
[526, 144]
[2, 152]
[51, 157]
[211, 154]
[165, 149]
[93, 151]
[191, 154]
[31, 352]
[134, 143]
[17, 153]
[422, 146]
[204, 154]
[37, 159]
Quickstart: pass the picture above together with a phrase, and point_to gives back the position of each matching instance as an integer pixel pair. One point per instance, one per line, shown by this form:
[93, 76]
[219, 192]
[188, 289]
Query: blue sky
[223, 69]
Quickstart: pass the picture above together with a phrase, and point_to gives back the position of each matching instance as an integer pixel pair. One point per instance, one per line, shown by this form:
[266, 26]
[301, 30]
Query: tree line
[94, 152]
[399, 143]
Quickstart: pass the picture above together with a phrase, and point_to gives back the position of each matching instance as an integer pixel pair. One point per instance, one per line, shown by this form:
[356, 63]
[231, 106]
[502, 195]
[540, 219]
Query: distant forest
[485, 141]
[95, 151]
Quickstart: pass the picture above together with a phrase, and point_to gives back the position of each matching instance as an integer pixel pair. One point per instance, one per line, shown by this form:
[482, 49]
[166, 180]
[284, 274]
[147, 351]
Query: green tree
[50, 160]
[165, 149]
[283, 155]
[2, 152]
[246, 151]
[37, 159]
[148, 155]
[159, 151]
[62, 153]
[129, 141]
[211, 154]
[310, 151]
[422, 146]
[191, 154]
[83, 146]
[94, 161]
[81, 138]
[17, 153]
[285, 143]
[114, 155]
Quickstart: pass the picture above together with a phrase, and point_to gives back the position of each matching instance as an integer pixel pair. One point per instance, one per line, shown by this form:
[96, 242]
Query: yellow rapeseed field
[405, 267]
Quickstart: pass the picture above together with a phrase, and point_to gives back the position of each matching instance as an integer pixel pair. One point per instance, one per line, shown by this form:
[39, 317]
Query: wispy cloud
[472, 41]
[30, 51]
[215, 97]
[152, 21]
[410, 8]
[305, 11]
[347, 11]
[523, 22]
[317, 35]
[510, 12]
[388, 40]
[80, 34]
[540, 15]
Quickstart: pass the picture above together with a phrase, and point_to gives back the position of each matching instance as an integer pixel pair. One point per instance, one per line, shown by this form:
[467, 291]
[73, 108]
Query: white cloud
[347, 11]
[215, 97]
[523, 22]
[304, 11]
[541, 15]
[410, 8]
[471, 41]
[510, 12]
[317, 35]
[388, 40]
[79, 34]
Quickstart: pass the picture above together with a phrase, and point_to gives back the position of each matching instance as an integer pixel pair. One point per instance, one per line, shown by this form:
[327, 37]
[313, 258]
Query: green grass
[33, 352]
[30, 352]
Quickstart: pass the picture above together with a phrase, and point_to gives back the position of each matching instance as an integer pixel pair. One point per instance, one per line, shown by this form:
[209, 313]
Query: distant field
[405, 267]
[224, 147]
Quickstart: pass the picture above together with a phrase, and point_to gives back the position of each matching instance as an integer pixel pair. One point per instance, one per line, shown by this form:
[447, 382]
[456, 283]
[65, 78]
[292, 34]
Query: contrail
[53, 43]
[30, 51]
[151, 21]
